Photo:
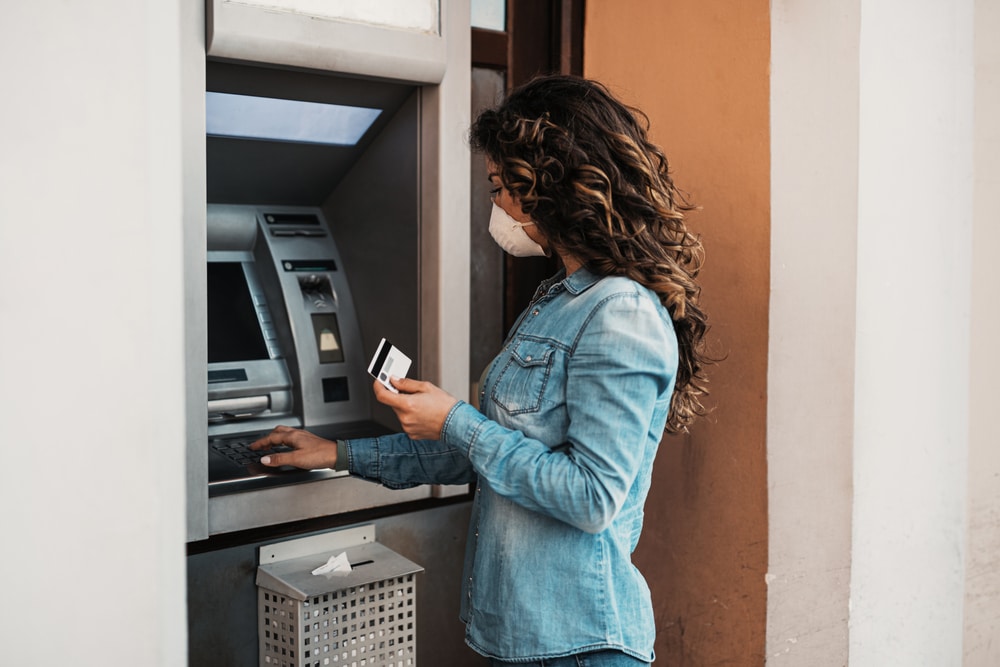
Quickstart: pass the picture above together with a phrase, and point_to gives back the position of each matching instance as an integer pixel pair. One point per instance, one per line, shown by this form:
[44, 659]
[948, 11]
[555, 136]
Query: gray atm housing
[397, 209]
[327, 240]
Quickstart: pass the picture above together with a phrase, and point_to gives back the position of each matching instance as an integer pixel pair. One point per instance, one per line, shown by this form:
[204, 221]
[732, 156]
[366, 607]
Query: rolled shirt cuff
[343, 462]
[462, 427]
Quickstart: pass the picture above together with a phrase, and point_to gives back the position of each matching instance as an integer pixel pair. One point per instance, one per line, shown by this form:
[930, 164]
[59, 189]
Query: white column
[912, 371]
[982, 578]
[814, 171]
[91, 343]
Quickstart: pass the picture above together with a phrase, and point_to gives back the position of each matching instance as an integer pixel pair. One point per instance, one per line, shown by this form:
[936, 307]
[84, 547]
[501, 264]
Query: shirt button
[534, 312]
[528, 358]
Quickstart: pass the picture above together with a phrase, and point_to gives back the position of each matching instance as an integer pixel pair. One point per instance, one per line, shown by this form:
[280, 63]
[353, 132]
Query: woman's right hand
[310, 451]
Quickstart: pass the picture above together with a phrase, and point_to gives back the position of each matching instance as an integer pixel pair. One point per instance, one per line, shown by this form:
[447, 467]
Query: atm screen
[233, 329]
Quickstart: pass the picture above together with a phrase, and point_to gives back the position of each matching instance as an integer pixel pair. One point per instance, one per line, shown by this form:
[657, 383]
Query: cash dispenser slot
[237, 408]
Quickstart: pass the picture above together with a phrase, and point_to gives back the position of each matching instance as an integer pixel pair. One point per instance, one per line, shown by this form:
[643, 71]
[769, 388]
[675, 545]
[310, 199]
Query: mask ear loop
[522, 225]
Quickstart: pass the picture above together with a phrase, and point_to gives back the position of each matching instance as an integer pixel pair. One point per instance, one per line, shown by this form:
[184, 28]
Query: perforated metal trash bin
[366, 618]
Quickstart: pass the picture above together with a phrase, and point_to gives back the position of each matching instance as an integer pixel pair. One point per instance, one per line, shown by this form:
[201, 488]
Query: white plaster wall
[912, 370]
[982, 588]
[91, 347]
[814, 167]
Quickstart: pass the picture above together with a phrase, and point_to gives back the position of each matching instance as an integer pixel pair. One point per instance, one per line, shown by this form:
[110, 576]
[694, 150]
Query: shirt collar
[580, 281]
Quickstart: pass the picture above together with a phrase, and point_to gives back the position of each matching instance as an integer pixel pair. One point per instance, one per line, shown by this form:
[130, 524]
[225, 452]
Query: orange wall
[699, 69]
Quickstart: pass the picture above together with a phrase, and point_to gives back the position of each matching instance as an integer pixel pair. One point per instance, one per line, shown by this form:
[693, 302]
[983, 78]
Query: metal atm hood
[249, 170]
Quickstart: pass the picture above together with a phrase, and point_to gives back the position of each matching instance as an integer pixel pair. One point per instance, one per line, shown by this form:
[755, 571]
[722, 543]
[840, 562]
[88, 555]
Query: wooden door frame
[542, 37]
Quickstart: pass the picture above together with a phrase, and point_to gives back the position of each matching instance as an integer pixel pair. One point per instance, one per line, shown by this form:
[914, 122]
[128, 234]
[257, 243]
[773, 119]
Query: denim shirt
[573, 409]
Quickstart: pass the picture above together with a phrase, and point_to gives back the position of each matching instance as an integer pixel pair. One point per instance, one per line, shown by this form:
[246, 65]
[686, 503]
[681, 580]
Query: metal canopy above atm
[250, 170]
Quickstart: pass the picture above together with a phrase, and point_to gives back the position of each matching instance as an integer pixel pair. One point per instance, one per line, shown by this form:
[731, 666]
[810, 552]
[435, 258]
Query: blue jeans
[592, 659]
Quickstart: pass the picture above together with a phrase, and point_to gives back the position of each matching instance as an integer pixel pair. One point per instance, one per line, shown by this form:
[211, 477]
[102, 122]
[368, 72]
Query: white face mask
[510, 235]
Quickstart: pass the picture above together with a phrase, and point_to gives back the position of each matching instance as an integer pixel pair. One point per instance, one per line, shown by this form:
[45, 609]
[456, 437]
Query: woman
[607, 357]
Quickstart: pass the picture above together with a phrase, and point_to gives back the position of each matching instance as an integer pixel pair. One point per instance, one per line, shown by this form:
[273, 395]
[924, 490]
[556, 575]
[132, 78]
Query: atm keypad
[239, 452]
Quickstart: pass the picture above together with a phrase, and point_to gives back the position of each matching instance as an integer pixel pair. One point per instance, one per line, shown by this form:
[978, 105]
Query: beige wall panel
[982, 584]
[699, 69]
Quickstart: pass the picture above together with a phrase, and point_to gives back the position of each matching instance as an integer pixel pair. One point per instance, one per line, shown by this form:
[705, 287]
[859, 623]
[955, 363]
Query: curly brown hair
[579, 162]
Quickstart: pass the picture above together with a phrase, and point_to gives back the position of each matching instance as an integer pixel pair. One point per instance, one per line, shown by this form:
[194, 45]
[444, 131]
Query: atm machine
[284, 342]
[315, 247]
[313, 255]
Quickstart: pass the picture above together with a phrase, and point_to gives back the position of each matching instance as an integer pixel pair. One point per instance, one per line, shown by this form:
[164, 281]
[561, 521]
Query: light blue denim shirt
[572, 412]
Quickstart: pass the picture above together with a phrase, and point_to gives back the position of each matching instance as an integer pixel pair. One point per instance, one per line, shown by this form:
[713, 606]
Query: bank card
[388, 362]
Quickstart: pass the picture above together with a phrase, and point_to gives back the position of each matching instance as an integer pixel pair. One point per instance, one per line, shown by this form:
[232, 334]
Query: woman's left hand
[421, 407]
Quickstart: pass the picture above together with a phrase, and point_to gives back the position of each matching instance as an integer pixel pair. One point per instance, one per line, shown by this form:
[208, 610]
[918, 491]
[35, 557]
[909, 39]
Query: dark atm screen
[233, 330]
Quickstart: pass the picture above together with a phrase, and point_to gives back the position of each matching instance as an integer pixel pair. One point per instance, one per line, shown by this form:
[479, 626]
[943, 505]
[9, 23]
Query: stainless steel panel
[267, 507]
[245, 32]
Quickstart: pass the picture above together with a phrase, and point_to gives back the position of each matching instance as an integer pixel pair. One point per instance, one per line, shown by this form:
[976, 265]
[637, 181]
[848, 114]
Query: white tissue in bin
[337, 564]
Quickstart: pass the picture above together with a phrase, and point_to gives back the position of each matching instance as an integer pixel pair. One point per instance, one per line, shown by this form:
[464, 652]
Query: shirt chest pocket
[524, 377]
